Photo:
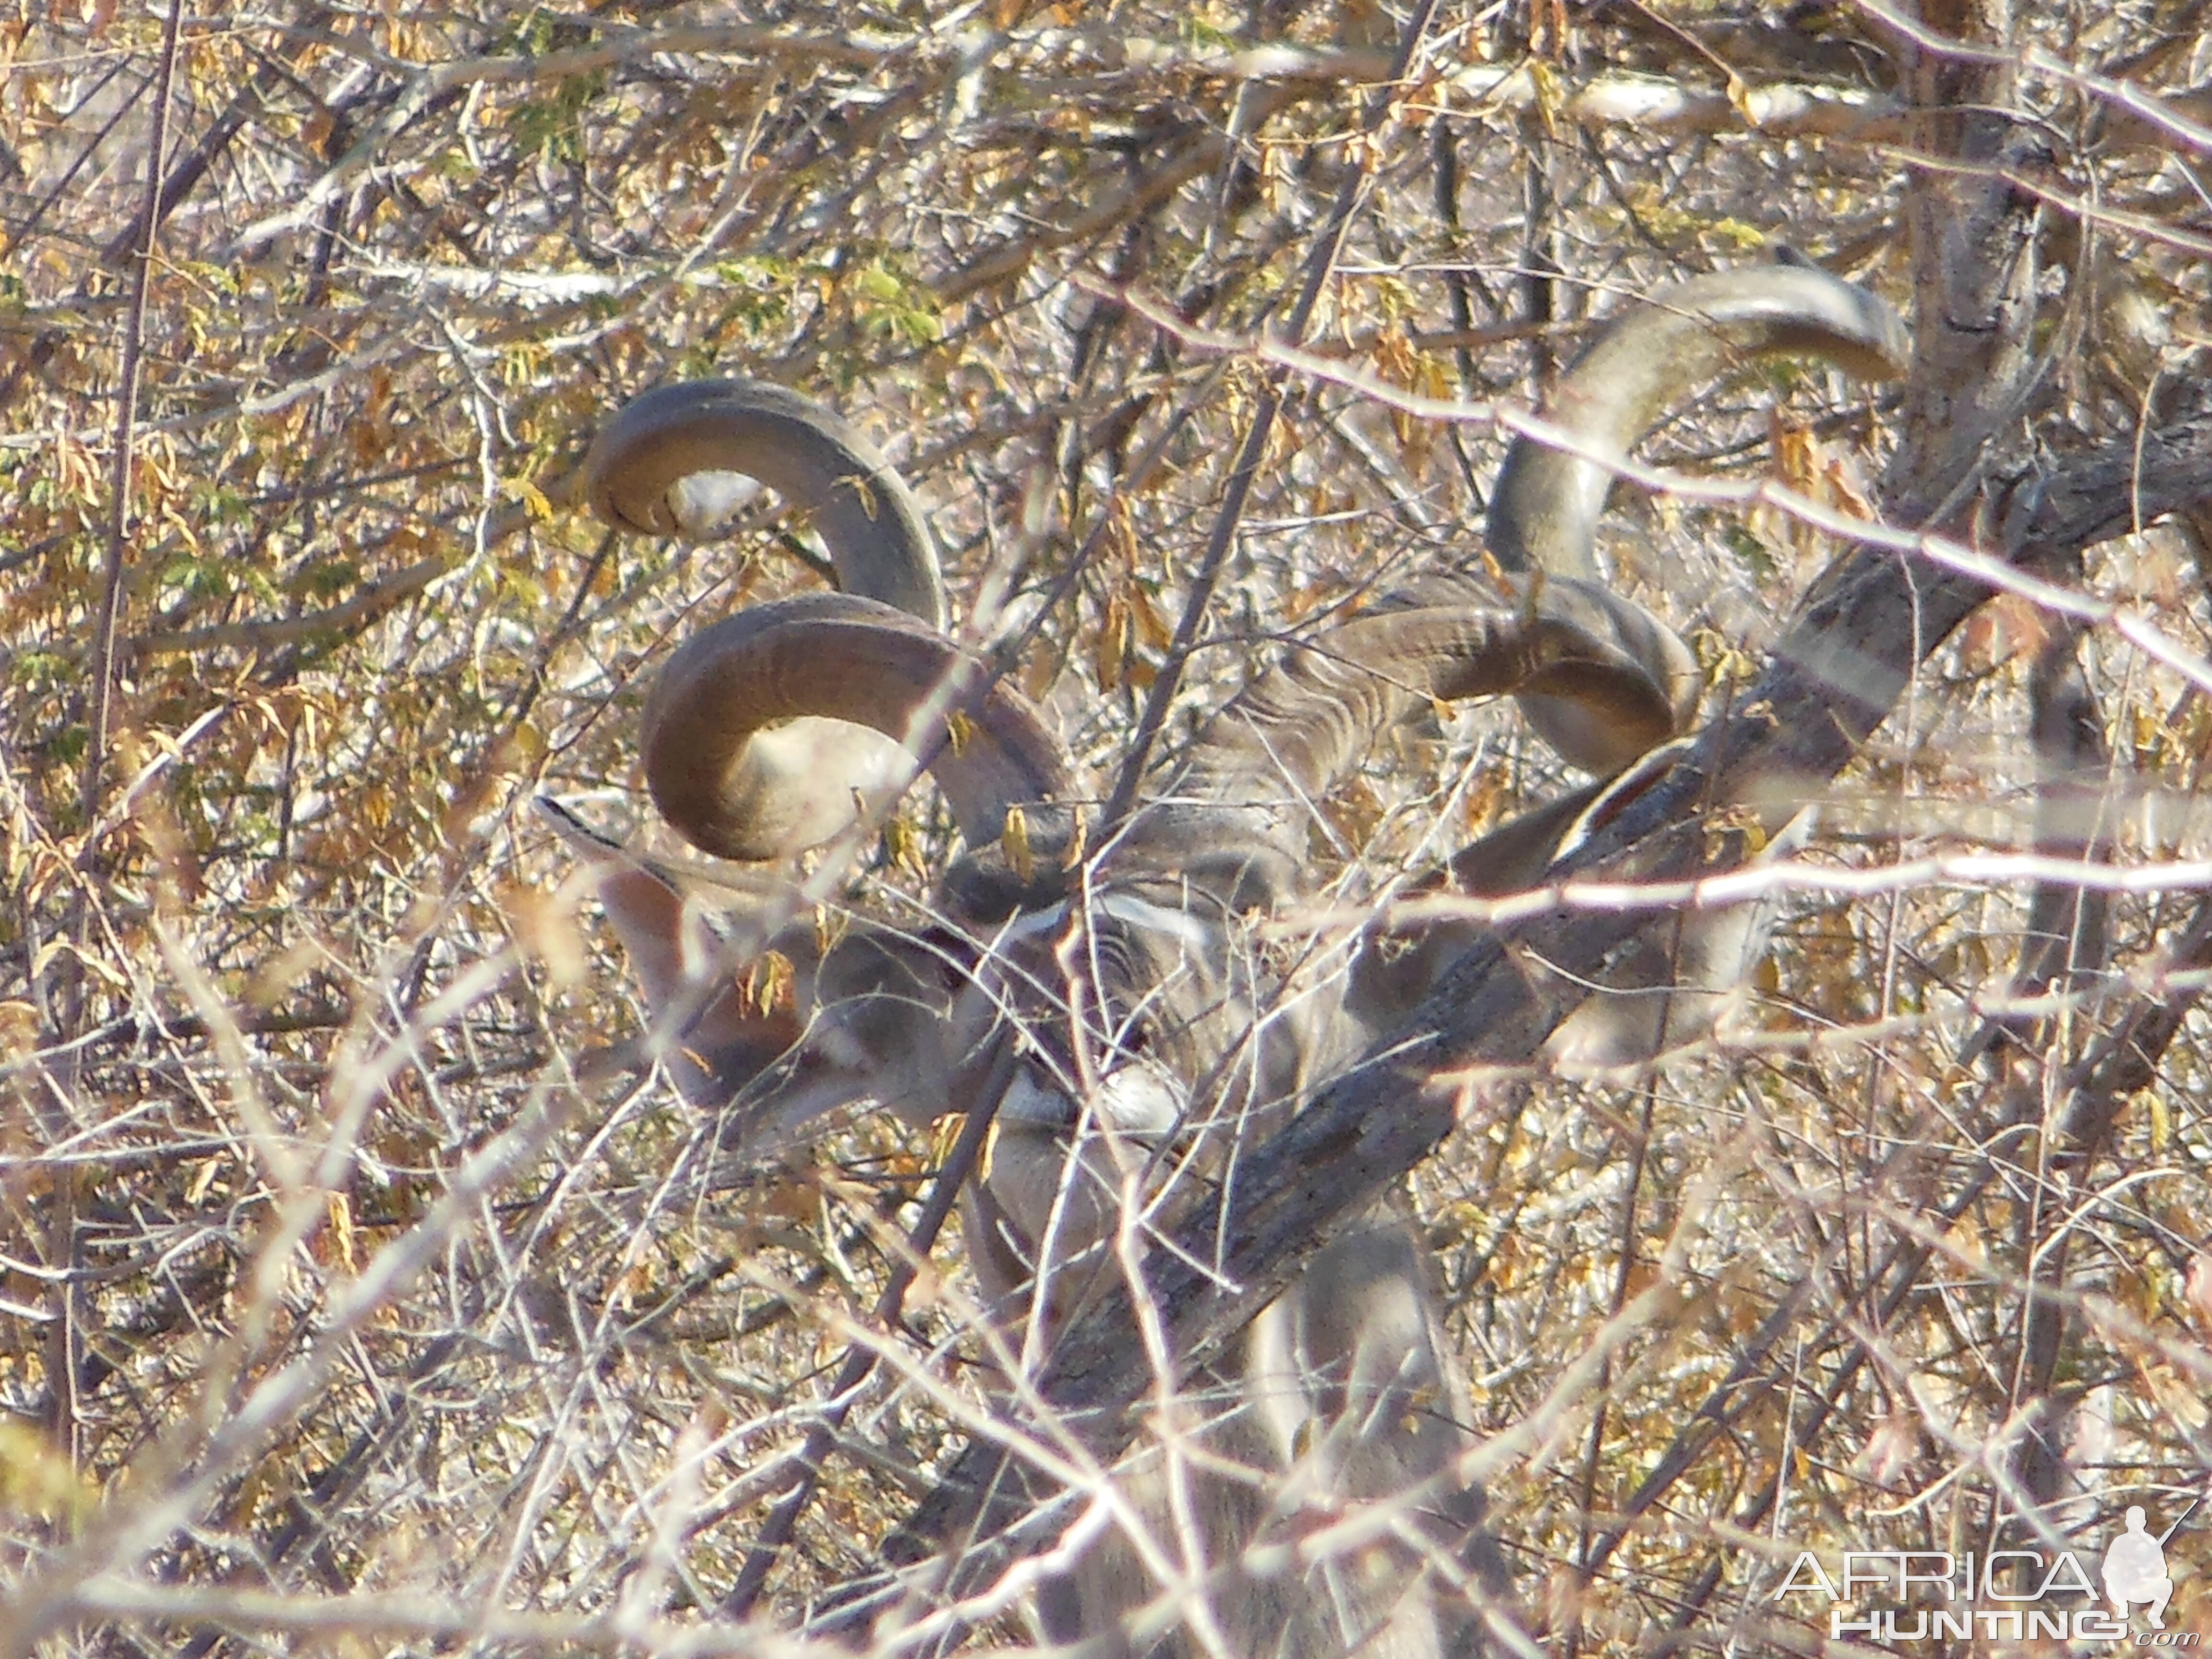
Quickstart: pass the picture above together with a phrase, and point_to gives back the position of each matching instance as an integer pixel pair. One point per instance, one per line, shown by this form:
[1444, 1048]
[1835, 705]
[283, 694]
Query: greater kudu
[1135, 1023]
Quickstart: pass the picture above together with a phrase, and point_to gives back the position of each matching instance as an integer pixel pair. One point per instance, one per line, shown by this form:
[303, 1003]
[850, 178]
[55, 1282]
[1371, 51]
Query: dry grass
[335, 1316]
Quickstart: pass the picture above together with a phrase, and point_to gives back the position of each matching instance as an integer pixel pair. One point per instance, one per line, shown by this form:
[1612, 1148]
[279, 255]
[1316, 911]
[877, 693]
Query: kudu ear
[1676, 983]
[714, 1036]
[1684, 977]
[803, 1030]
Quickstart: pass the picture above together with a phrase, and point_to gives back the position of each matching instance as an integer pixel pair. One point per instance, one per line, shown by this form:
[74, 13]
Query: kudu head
[1118, 978]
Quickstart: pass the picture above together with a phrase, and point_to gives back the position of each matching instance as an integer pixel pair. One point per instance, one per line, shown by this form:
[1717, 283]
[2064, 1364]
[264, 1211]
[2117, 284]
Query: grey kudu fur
[1302, 1505]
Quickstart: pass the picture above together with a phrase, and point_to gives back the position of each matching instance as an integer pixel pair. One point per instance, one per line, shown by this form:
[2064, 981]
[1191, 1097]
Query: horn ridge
[1544, 510]
[878, 540]
[1601, 677]
[1289, 736]
[761, 727]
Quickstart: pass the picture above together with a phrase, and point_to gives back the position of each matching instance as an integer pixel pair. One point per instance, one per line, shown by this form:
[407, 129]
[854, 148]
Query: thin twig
[859, 1361]
[1320, 264]
[63, 1349]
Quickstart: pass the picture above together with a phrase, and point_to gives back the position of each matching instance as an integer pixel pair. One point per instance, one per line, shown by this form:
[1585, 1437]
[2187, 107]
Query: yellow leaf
[340, 1214]
[1121, 546]
[769, 982]
[1014, 839]
[905, 848]
[1151, 627]
[1111, 653]
[531, 497]
[1550, 96]
[36, 1480]
[1796, 457]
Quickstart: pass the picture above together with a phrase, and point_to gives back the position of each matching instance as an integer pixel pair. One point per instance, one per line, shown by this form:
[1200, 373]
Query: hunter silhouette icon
[2135, 1569]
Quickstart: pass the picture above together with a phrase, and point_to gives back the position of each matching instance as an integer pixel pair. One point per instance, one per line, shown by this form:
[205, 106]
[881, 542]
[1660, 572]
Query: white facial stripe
[1030, 1104]
[1031, 925]
[1125, 908]
[1137, 1101]
[1141, 1102]
[1196, 935]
